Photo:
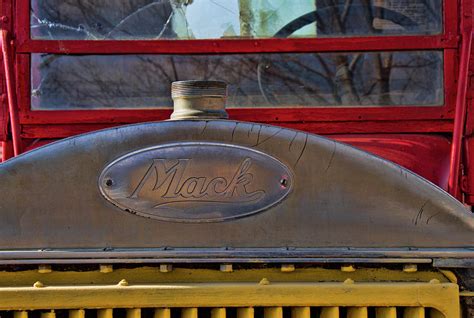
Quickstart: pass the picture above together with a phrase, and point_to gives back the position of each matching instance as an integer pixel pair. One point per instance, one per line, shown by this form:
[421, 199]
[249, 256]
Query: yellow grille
[261, 293]
[243, 312]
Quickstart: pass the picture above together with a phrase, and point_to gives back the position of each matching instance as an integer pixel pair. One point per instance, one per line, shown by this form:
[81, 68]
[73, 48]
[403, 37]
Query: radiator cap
[199, 100]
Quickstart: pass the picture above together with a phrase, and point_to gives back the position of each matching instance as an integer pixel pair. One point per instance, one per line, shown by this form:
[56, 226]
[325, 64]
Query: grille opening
[231, 312]
[6, 314]
[371, 312]
[342, 312]
[120, 313]
[204, 312]
[175, 313]
[147, 313]
[400, 312]
[35, 314]
[90, 313]
[61, 313]
[258, 312]
[315, 312]
[212, 266]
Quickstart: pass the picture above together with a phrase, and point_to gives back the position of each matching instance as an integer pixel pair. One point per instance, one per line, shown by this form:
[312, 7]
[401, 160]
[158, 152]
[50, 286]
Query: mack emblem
[195, 182]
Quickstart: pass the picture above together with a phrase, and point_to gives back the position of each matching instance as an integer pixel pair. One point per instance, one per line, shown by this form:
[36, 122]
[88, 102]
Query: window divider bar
[398, 43]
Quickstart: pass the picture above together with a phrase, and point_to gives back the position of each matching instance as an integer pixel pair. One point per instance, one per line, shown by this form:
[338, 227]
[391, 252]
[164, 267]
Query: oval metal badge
[195, 182]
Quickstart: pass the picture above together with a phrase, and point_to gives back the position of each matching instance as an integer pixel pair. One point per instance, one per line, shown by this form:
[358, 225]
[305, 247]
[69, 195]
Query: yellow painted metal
[218, 313]
[410, 268]
[330, 312]
[435, 314]
[20, 314]
[162, 313]
[44, 269]
[348, 268]
[226, 268]
[357, 312]
[273, 312]
[188, 289]
[189, 312]
[246, 312]
[105, 313]
[38, 284]
[105, 269]
[443, 296]
[49, 314]
[414, 312]
[386, 312]
[134, 313]
[449, 275]
[300, 312]
[153, 275]
[77, 313]
[467, 293]
[166, 268]
[287, 268]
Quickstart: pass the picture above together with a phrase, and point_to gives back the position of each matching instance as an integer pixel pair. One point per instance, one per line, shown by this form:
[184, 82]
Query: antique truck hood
[221, 189]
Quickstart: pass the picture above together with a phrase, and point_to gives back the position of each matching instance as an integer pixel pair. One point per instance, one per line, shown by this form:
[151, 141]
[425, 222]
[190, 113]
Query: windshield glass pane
[216, 19]
[255, 80]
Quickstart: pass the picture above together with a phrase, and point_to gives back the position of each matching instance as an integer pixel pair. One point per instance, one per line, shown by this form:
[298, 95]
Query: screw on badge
[284, 182]
[109, 182]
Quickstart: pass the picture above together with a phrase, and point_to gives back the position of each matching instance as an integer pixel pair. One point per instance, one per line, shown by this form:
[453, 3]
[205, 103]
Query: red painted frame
[410, 117]
[28, 116]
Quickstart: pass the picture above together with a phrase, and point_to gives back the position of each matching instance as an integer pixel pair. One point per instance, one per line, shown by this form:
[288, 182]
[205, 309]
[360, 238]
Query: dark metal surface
[240, 253]
[340, 197]
[455, 256]
[450, 262]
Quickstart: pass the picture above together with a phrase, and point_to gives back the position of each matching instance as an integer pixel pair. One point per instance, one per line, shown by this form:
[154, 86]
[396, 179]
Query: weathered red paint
[268, 115]
[323, 128]
[460, 117]
[7, 150]
[3, 115]
[428, 155]
[11, 94]
[399, 43]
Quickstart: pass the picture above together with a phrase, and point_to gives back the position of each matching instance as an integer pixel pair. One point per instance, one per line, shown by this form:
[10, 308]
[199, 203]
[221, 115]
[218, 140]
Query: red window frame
[326, 120]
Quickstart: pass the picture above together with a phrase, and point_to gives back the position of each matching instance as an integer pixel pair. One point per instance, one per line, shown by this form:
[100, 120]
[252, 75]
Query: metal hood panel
[339, 196]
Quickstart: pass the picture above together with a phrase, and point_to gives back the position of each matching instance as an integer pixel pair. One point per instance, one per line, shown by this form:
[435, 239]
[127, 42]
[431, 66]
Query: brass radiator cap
[199, 100]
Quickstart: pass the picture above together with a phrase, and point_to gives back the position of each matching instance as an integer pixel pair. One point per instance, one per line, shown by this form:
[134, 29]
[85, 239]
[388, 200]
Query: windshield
[255, 80]
[330, 79]
[217, 19]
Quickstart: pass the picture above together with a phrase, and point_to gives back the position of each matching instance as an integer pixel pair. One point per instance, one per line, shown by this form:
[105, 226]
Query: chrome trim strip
[217, 260]
[237, 255]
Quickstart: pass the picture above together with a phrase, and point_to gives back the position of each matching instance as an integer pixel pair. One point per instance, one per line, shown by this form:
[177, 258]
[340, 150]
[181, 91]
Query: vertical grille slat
[300, 312]
[386, 312]
[414, 312]
[189, 313]
[246, 312]
[330, 312]
[162, 313]
[134, 313]
[231, 312]
[218, 313]
[357, 312]
[273, 312]
[48, 314]
[105, 313]
[20, 314]
[77, 313]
